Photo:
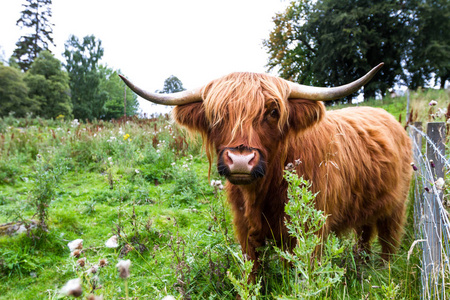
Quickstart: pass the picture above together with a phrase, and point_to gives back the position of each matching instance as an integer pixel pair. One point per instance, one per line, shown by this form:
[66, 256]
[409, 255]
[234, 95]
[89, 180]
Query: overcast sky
[195, 40]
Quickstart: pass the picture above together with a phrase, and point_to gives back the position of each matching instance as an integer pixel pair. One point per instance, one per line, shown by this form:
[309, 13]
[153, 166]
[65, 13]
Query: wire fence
[431, 219]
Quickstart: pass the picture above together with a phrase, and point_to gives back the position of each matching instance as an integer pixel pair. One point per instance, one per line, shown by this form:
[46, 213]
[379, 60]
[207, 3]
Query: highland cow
[357, 159]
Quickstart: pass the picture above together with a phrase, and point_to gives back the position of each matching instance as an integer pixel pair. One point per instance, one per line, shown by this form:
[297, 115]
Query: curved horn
[326, 94]
[179, 98]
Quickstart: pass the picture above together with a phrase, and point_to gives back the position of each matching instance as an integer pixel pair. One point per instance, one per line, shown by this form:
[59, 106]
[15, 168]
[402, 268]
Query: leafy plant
[312, 257]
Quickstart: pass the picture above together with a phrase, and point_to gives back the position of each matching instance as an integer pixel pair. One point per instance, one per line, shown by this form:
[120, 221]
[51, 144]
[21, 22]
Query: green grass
[173, 226]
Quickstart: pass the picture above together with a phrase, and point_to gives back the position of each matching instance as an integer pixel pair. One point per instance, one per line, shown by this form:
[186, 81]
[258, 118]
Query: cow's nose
[240, 162]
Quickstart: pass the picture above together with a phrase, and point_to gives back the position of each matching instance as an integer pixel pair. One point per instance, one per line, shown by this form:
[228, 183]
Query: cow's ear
[304, 113]
[192, 116]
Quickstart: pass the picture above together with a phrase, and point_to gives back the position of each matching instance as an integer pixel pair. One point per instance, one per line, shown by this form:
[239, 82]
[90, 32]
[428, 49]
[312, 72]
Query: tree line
[35, 82]
[332, 42]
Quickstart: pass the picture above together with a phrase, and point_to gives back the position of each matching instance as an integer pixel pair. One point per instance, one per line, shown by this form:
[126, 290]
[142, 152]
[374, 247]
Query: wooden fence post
[436, 133]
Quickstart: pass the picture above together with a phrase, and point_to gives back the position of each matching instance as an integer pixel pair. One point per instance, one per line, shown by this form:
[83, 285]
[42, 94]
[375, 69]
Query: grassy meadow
[146, 183]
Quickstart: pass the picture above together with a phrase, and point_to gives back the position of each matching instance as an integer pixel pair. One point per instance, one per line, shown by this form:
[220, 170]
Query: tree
[172, 85]
[332, 42]
[429, 48]
[115, 88]
[36, 16]
[14, 93]
[82, 59]
[48, 84]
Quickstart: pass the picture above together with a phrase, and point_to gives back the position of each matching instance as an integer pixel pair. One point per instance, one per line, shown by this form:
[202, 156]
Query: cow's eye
[274, 113]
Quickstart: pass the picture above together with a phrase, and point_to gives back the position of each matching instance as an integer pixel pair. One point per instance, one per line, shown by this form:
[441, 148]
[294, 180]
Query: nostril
[250, 162]
[228, 158]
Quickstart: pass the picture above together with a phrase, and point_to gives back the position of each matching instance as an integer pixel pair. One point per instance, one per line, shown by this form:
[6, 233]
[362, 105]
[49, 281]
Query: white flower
[72, 288]
[221, 187]
[112, 242]
[218, 183]
[110, 158]
[432, 103]
[76, 244]
[173, 164]
[124, 268]
[213, 182]
[137, 171]
[440, 183]
[75, 123]
[169, 297]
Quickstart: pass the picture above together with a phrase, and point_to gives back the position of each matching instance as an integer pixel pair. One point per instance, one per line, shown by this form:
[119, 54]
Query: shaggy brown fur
[358, 159]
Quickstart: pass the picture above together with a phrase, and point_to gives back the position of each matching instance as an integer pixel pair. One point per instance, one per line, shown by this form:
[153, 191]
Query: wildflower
[76, 244]
[72, 288]
[75, 123]
[75, 253]
[60, 117]
[168, 297]
[102, 262]
[81, 262]
[173, 164]
[432, 163]
[297, 162]
[432, 103]
[126, 136]
[220, 187]
[137, 171]
[157, 151]
[440, 183]
[112, 242]
[213, 182]
[289, 167]
[93, 269]
[123, 267]
[414, 166]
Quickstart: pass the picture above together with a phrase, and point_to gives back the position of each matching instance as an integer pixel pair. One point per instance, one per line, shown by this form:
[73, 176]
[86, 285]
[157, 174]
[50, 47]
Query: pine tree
[36, 16]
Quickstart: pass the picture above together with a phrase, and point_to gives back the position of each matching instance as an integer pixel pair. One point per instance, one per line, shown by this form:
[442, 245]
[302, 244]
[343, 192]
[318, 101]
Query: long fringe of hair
[235, 102]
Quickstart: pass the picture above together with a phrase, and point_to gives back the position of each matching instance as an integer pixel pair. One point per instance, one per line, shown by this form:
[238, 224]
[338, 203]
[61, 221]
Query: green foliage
[14, 94]
[36, 17]
[115, 89]
[44, 190]
[49, 86]
[82, 59]
[429, 48]
[313, 257]
[332, 42]
[246, 290]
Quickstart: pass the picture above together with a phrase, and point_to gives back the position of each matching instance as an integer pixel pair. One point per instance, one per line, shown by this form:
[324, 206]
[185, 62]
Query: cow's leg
[390, 231]
[364, 235]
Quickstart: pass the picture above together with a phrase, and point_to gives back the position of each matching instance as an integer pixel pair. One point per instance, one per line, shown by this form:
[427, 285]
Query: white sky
[195, 40]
